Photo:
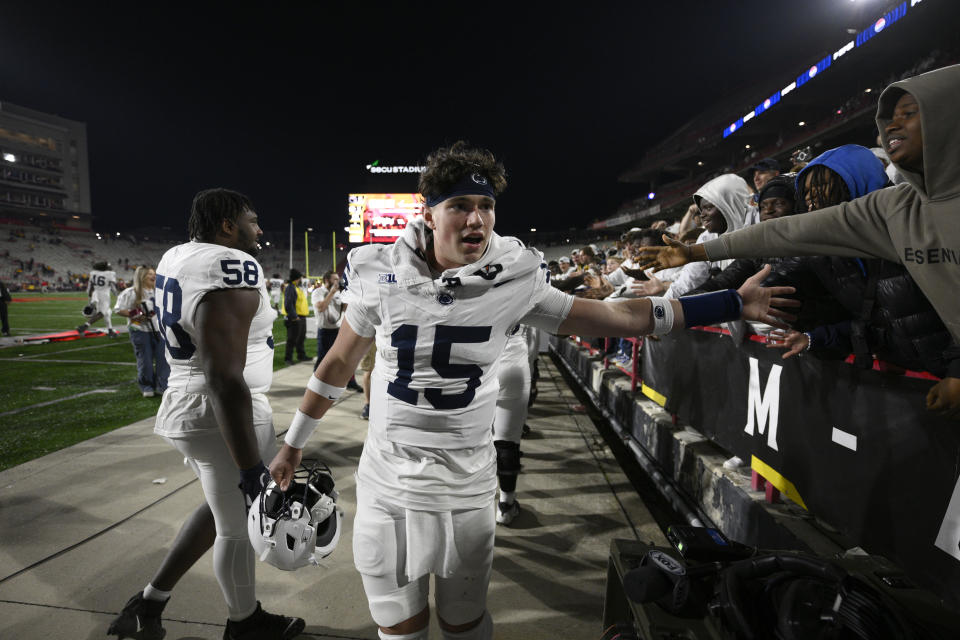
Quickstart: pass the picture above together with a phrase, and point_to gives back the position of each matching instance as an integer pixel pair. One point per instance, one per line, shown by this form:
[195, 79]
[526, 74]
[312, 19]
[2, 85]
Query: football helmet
[90, 309]
[293, 528]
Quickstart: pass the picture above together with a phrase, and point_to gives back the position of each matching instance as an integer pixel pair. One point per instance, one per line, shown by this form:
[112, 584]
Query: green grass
[93, 363]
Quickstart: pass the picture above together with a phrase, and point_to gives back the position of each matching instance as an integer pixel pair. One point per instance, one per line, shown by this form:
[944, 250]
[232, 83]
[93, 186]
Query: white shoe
[507, 512]
[148, 394]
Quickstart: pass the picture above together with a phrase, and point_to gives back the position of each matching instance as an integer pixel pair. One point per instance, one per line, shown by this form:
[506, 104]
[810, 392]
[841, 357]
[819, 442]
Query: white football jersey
[275, 284]
[439, 340]
[185, 274]
[103, 281]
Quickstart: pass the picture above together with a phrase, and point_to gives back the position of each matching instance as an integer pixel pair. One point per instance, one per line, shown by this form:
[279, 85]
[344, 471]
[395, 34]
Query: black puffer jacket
[902, 326]
[897, 323]
[805, 274]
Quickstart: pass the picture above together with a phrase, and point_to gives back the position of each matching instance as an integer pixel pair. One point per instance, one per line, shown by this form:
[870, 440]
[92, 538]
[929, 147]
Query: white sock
[150, 592]
[508, 496]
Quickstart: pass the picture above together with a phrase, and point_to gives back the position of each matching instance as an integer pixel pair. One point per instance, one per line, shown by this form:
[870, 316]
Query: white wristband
[662, 316]
[301, 428]
[323, 389]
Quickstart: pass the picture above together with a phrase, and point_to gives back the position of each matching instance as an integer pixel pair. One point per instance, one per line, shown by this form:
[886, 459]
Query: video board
[381, 217]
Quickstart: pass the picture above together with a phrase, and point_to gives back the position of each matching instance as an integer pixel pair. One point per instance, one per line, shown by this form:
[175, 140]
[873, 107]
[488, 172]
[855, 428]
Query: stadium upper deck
[835, 105]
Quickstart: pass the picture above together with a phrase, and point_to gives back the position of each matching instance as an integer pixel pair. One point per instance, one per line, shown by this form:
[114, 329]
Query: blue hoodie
[860, 169]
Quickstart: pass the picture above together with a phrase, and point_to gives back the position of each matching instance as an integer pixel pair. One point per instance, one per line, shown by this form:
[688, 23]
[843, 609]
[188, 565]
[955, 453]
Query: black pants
[325, 340]
[3, 318]
[296, 334]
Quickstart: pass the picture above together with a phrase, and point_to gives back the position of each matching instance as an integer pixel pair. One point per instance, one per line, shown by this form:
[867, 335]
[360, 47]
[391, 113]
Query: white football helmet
[293, 528]
[90, 309]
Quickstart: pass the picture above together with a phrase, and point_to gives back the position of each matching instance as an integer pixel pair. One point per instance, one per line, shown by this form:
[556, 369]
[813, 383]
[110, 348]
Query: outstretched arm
[857, 229]
[645, 315]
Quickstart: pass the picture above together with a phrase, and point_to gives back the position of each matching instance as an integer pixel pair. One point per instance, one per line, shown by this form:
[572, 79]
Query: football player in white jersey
[511, 414]
[276, 289]
[217, 323]
[440, 303]
[103, 282]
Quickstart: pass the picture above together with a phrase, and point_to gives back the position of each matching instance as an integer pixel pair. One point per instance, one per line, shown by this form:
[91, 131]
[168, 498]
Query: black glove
[252, 482]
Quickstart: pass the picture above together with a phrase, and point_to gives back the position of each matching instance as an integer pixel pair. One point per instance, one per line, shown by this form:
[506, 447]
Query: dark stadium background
[289, 102]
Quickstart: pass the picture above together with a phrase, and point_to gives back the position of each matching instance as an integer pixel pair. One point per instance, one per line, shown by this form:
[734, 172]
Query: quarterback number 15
[404, 338]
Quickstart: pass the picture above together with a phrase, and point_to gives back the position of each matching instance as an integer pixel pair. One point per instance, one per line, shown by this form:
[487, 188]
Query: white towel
[431, 545]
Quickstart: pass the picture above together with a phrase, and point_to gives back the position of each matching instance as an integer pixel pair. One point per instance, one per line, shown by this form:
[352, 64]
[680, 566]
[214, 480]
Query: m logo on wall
[763, 408]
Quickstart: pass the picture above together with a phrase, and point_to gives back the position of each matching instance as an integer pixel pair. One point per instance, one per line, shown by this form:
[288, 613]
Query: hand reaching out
[675, 254]
[592, 280]
[944, 398]
[793, 341]
[759, 302]
[651, 287]
[599, 287]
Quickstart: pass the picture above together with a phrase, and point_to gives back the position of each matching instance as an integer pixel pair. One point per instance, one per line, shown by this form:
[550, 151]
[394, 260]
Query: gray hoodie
[731, 195]
[916, 223]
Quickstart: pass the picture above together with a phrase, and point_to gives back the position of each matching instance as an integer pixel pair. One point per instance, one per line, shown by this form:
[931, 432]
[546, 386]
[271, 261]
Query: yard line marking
[49, 402]
[56, 353]
[47, 314]
[125, 364]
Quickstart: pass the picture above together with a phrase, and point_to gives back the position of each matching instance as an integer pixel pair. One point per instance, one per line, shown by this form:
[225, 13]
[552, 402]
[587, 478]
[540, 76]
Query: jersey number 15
[404, 338]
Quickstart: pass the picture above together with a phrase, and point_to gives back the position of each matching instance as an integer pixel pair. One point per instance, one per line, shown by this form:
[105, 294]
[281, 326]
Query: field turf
[56, 394]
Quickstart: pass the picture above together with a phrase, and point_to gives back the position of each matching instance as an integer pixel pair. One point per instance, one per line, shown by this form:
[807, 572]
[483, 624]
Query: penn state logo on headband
[471, 184]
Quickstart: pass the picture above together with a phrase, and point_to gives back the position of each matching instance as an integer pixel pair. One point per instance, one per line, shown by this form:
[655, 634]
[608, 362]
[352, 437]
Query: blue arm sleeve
[832, 336]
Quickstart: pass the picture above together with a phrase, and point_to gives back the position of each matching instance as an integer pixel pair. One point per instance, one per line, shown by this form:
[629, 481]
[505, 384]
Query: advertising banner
[855, 447]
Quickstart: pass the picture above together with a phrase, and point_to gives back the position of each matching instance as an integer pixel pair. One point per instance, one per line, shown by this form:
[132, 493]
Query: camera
[708, 586]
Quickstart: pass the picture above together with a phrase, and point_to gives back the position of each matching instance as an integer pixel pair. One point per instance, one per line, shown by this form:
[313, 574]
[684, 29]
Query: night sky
[288, 102]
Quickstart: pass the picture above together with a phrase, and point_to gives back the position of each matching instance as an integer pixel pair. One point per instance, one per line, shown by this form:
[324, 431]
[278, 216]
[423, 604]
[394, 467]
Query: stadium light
[651, 195]
[533, 229]
[9, 157]
[699, 163]
[867, 90]
[746, 146]
[118, 233]
[267, 243]
[882, 23]
[801, 123]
